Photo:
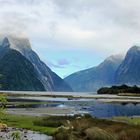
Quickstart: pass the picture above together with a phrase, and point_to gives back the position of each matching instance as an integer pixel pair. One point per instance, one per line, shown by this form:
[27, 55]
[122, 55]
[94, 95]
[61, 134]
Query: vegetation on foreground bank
[120, 90]
[129, 120]
[27, 122]
[88, 128]
[76, 127]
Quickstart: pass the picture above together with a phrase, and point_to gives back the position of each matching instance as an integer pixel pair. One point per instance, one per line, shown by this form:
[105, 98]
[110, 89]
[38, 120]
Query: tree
[3, 102]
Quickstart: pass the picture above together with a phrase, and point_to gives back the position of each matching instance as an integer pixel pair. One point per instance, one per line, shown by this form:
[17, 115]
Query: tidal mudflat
[98, 105]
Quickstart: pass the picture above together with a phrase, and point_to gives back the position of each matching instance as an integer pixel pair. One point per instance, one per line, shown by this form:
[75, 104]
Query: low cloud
[53, 65]
[60, 63]
[63, 62]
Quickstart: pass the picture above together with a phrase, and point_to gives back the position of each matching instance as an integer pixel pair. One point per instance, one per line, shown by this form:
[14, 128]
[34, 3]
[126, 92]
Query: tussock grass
[76, 127]
[88, 128]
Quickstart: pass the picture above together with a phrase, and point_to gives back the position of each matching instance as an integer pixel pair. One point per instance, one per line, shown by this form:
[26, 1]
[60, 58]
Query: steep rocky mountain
[129, 71]
[96, 77]
[18, 73]
[49, 80]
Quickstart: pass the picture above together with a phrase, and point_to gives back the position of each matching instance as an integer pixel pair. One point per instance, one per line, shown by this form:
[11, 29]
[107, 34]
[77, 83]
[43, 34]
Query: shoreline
[107, 98]
[24, 134]
[68, 94]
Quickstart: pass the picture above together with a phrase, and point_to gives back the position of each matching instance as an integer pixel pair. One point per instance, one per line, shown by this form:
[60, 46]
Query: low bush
[87, 128]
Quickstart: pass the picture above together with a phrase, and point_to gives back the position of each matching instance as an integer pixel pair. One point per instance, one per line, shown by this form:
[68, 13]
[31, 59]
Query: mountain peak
[134, 49]
[5, 42]
[133, 52]
[128, 71]
[16, 43]
[116, 57]
[113, 60]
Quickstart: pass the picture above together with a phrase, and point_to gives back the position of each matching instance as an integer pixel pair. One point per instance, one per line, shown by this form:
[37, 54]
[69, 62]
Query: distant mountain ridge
[92, 79]
[49, 80]
[115, 70]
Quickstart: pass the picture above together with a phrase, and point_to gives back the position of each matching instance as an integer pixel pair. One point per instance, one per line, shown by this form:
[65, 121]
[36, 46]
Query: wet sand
[88, 95]
[50, 111]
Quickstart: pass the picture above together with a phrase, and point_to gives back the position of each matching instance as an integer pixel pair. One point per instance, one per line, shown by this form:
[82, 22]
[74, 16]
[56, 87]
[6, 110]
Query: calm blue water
[111, 110]
[92, 106]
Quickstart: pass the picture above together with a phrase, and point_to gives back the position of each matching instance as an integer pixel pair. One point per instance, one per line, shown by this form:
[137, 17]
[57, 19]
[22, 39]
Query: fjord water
[95, 107]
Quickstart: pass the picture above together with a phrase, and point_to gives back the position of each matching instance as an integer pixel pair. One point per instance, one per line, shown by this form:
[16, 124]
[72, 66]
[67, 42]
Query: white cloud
[109, 26]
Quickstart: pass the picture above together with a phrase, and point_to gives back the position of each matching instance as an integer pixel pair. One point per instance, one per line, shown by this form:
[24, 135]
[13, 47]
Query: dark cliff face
[49, 80]
[17, 73]
[94, 78]
[129, 70]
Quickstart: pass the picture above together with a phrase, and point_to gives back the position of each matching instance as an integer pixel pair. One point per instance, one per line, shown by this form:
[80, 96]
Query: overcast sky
[70, 35]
